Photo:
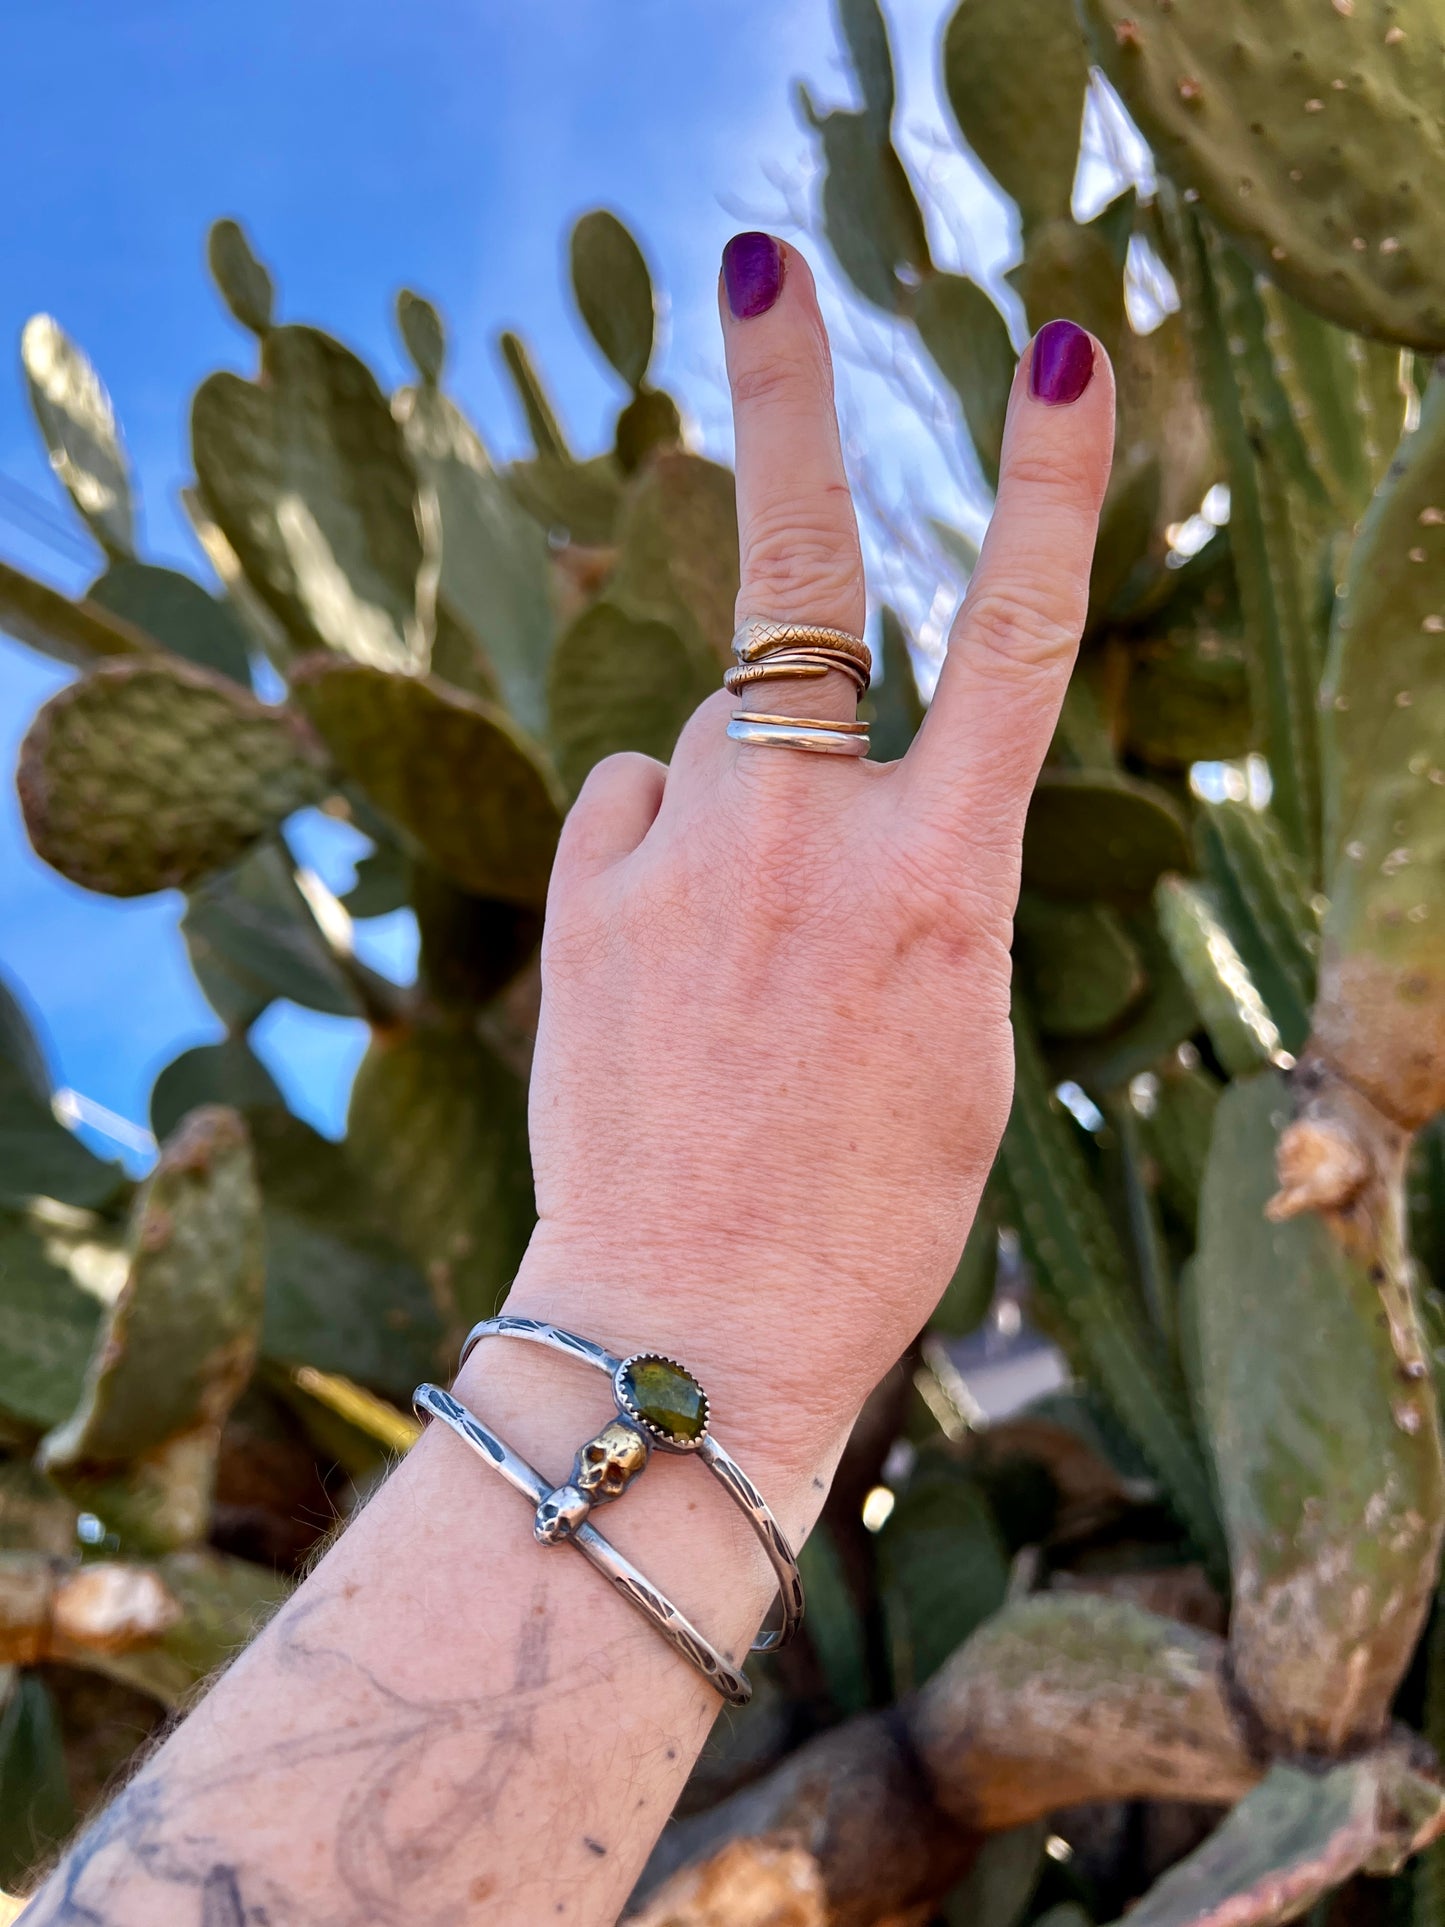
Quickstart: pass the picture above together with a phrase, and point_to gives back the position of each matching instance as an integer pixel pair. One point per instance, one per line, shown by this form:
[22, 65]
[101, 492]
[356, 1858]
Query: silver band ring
[679, 1632]
[822, 741]
[693, 1437]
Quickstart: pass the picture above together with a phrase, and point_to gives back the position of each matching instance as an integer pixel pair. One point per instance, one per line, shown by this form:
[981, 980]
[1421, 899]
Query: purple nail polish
[1063, 363]
[752, 273]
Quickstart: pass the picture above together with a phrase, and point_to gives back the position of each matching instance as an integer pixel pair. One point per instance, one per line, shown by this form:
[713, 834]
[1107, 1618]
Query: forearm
[450, 1722]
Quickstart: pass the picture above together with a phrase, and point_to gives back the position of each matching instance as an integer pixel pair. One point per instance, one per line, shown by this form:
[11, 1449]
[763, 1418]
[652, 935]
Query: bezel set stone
[666, 1440]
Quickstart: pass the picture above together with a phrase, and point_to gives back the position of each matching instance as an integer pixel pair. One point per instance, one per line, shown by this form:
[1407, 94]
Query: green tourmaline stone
[667, 1397]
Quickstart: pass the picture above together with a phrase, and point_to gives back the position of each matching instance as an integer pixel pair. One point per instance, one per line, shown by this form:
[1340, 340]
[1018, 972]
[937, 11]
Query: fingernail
[752, 274]
[1063, 363]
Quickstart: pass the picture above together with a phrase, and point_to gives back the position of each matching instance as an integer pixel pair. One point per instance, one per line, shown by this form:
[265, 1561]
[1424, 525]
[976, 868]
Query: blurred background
[450, 150]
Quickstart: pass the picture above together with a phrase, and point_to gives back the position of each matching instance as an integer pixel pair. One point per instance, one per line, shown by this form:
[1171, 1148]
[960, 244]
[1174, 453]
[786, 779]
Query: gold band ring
[801, 664]
[760, 637]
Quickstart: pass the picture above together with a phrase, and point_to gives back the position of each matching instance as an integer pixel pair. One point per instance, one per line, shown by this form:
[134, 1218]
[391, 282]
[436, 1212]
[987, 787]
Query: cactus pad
[178, 1345]
[328, 1244]
[1066, 1698]
[1315, 134]
[148, 775]
[423, 335]
[1380, 1016]
[73, 632]
[178, 613]
[494, 564]
[308, 477]
[253, 937]
[1095, 835]
[1326, 1448]
[614, 293]
[1296, 1836]
[79, 427]
[47, 1327]
[1240, 1028]
[437, 1131]
[678, 542]
[1263, 900]
[1077, 964]
[246, 287]
[38, 1156]
[621, 683]
[969, 343]
[1016, 76]
[1080, 1275]
[453, 772]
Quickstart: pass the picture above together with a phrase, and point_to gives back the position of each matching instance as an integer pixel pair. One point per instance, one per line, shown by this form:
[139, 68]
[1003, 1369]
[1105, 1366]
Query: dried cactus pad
[1326, 1448]
[1296, 1836]
[147, 775]
[1314, 133]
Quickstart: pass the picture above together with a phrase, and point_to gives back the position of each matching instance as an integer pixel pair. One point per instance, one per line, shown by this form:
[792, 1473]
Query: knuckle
[1018, 629]
[780, 380]
[1049, 472]
[803, 564]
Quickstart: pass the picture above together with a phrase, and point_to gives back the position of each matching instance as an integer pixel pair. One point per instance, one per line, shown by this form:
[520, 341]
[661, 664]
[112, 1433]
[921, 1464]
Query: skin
[773, 1067]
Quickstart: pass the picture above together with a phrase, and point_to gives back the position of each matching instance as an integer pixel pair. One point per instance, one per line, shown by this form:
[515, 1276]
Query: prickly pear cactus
[1202, 1572]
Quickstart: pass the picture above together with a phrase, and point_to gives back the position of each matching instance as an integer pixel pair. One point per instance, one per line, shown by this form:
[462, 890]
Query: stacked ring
[769, 651]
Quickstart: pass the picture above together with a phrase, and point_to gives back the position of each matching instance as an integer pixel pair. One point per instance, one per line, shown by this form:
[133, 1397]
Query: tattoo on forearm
[390, 1854]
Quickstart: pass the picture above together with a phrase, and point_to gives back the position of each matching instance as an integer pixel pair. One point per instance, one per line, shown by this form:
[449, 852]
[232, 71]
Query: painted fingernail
[1063, 363]
[752, 274]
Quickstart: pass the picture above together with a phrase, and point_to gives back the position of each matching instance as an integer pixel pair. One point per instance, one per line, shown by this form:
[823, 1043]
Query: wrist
[780, 1398]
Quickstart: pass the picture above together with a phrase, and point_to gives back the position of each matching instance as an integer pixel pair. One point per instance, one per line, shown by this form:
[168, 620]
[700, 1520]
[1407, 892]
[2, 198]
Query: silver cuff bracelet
[659, 1404]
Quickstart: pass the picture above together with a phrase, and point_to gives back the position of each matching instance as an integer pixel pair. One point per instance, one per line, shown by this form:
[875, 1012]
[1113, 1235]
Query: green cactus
[1100, 835]
[177, 613]
[177, 1347]
[494, 565]
[1297, 1836]
[243, 281]
[1201, 1571]
[38, 1156]
[1314, 135]
[79, 427]
[453, 773]
[1381, 989]
[36, 1808]
[309, 478]
[437, 1130]
[148, 775]
[1016, 77]
[614, 294]
[1240, 1028]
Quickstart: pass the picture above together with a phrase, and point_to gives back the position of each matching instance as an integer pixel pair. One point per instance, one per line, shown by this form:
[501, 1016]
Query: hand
[774, 1059]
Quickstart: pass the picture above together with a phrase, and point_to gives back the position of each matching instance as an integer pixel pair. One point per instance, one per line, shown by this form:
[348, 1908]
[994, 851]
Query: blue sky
[444, 146]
